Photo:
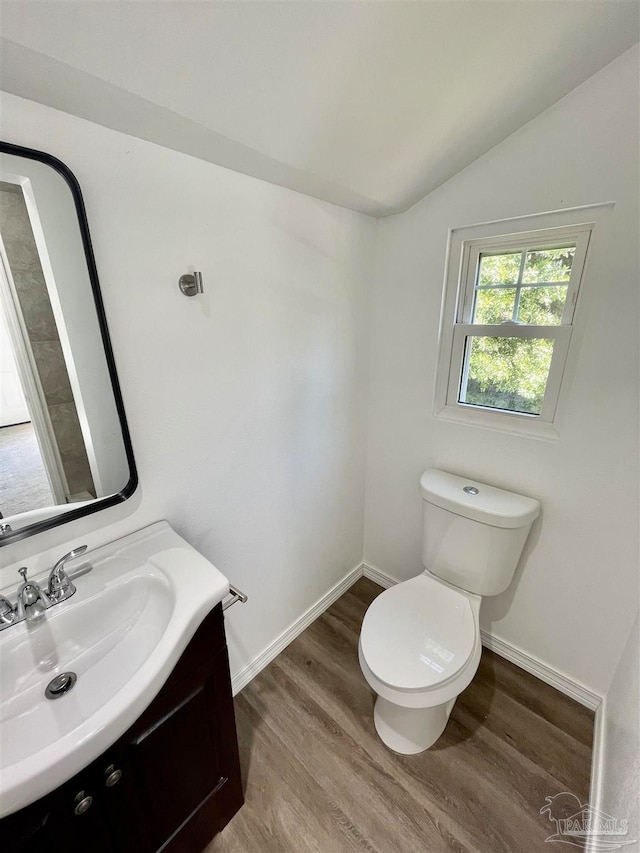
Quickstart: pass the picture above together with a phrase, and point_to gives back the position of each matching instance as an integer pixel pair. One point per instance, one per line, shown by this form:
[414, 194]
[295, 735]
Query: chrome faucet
[60, 585]
[32, 600]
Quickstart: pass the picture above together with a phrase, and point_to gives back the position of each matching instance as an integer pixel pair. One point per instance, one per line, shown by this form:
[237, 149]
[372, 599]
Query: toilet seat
[419, 634]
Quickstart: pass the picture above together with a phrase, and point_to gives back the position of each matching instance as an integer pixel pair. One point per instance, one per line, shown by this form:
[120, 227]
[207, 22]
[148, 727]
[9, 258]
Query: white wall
[574, 596]
[246, 404]
[618, 776]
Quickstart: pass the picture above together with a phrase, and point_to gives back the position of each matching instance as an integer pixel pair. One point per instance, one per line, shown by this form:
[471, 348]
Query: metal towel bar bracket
[236, 595]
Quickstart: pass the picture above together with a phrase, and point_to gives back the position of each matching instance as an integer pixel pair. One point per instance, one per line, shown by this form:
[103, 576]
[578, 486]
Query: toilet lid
[418, 634]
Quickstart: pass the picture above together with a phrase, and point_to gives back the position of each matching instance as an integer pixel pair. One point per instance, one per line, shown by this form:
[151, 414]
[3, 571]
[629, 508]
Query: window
[512, 299]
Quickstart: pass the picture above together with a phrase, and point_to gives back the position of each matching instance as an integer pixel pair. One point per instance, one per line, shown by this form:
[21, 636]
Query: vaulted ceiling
[369, 105]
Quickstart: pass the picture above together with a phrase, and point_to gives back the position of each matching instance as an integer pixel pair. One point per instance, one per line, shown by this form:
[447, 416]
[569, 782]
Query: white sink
[33, 516]
[121, 633]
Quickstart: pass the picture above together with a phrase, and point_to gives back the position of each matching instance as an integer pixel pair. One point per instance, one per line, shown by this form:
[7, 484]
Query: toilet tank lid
[480, 502]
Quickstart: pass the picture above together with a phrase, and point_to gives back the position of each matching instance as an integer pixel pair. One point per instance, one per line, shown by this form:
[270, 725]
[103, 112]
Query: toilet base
[410, 730]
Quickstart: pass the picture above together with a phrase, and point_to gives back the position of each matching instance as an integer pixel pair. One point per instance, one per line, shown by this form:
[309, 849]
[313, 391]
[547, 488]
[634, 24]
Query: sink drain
[60, 685]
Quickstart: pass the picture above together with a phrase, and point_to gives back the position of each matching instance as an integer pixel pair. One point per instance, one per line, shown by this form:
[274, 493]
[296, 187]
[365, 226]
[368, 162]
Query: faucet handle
[7, 612]
[70, 556]
[60, 585]
[23, 571]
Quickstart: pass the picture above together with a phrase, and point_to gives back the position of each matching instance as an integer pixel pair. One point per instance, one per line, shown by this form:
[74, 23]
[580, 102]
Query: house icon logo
[576, 823]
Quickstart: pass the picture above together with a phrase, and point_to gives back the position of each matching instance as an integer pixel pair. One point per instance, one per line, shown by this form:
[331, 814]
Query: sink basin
[121, 633]
[33, 516]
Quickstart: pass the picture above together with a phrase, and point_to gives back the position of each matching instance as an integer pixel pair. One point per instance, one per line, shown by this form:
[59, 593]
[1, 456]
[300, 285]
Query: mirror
[65, 449]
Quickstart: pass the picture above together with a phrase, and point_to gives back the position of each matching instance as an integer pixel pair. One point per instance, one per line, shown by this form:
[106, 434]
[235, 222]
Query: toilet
[420, 640]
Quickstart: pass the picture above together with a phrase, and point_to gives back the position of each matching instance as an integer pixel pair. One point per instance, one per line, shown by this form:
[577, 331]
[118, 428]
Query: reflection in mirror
[64, 444]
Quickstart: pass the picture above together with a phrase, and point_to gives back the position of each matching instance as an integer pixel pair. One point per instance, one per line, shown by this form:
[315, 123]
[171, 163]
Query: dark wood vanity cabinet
[170, 783]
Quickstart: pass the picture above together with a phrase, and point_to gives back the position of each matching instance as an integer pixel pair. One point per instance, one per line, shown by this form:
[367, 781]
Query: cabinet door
[70, 820]
[113, 778]
[76, 818]
[176, 762]
[82, 824]
[34, 829]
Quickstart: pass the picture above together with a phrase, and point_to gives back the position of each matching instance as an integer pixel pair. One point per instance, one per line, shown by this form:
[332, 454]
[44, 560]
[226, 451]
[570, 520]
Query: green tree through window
[523, 287]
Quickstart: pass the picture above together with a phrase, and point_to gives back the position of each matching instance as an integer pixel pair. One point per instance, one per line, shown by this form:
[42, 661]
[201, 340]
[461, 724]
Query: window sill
[514, 424]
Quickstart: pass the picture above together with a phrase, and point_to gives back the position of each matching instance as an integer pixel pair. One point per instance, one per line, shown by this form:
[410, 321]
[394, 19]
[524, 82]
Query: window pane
[499, 269]
[542, 306]
[506, 373]
[548, 265]
[494, 306]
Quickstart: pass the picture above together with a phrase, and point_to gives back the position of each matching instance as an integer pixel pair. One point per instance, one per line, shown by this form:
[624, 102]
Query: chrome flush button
[471, 490]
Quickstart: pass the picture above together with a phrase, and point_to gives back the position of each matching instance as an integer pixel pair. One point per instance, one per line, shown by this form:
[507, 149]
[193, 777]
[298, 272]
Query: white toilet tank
[473, 534]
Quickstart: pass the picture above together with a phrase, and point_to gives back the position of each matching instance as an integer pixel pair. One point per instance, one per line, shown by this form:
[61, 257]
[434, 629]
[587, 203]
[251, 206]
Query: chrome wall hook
[190, 284]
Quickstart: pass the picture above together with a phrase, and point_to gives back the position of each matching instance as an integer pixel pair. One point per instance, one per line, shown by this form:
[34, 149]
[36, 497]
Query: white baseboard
[542, 671]
[597, 767]
[512, 653]
[239, 681]
[377, 576]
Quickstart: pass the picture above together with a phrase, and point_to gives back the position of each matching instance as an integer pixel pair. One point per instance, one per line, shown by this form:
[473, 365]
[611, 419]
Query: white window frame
[464, 250]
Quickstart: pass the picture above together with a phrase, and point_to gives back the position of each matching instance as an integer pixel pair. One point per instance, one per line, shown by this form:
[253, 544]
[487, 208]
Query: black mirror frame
[130, 487]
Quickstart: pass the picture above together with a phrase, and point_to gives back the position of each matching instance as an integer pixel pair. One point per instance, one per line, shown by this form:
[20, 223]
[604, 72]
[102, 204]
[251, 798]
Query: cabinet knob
[113, 776]
[83, 803]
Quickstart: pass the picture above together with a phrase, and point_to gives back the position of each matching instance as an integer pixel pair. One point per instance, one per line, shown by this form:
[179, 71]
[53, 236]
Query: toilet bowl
[420, 644]
[419, 648]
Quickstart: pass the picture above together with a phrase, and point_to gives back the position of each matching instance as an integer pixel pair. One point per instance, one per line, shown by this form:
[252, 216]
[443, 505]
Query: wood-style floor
[317, 778]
